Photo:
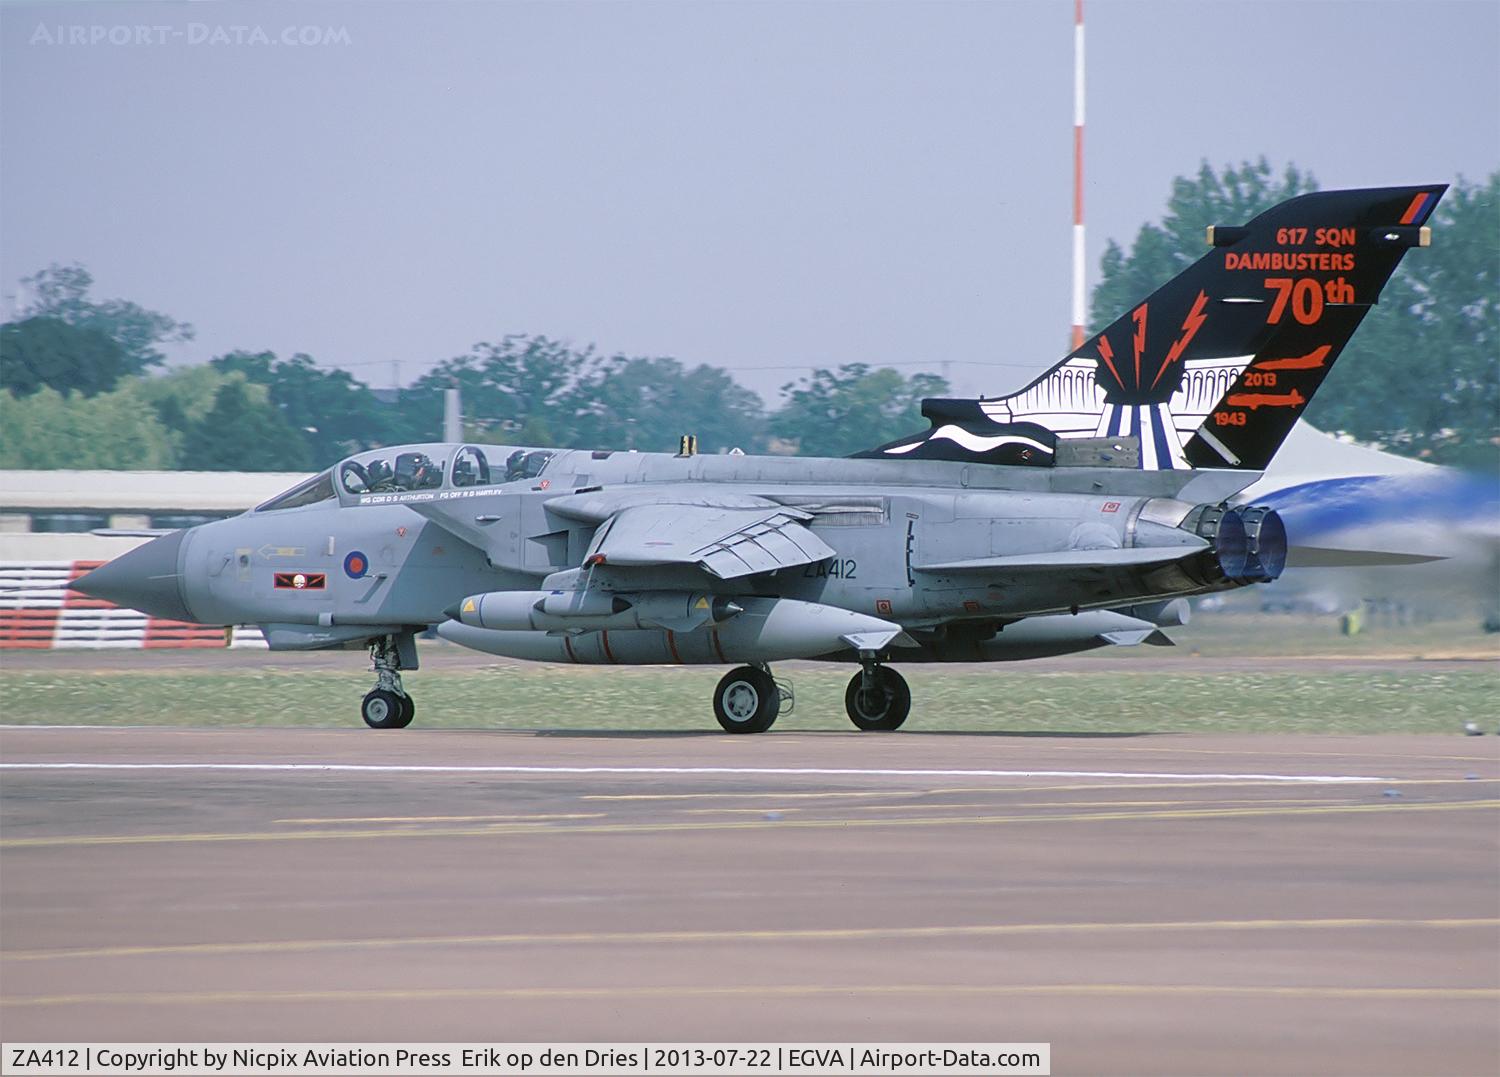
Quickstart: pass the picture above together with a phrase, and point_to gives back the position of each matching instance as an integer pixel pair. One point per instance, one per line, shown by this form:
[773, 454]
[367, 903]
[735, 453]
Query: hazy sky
[752, 185]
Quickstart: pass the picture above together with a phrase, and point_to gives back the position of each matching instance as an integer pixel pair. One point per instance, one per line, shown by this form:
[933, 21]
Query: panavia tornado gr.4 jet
[1076, 513]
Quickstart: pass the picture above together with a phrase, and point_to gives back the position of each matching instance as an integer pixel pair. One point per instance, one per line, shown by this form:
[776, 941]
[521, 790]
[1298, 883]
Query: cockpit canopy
[307, 492]
[407, 468]
[474, 466]
[388, 471]
[432, 467]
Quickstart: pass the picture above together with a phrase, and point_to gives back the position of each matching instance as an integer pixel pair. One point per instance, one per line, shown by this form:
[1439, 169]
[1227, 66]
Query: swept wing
[723, 541]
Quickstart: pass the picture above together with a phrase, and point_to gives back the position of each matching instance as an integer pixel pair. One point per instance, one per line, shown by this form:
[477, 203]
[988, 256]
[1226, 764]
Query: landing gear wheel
[382, 709]
[747, 700]
[884, 706]
[387, 706]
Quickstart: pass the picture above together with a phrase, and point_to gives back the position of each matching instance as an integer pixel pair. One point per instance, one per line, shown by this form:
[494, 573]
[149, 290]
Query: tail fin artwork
[1211, 370]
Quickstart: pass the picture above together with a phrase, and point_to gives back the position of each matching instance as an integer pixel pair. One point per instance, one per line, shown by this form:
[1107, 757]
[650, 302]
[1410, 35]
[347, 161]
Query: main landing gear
[749, 699]
[878, 698]
[387, 706]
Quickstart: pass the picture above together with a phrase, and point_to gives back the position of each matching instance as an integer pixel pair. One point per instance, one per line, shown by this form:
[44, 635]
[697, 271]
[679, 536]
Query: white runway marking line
[789, 772]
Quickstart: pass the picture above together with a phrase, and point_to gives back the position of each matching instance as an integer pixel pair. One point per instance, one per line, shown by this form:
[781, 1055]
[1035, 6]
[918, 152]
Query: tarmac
[1146, 904]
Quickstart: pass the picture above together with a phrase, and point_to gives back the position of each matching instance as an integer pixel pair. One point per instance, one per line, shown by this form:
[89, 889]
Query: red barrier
[48, 616]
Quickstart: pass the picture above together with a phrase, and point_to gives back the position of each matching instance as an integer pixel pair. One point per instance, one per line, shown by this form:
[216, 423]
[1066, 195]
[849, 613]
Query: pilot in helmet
[413, 470]
[380, 474]
[426, 474]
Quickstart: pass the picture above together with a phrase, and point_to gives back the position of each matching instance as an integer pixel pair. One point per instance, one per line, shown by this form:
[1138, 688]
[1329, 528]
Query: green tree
[207, 425]
[524, 390]
[533, 390]
[1422, 374]
[49, 430]
[640, 403]
[182, 399]
[241, 433]
[335, 414]
[1161, 251]
[39, 352]
[412, 414]
[844, 411]
[62, 292]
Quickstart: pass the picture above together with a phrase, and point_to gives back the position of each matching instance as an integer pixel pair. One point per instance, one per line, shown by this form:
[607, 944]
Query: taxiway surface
[1165, 904]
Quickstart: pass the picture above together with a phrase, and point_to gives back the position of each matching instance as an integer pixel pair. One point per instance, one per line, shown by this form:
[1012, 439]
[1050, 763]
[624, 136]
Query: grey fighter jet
[1076, 513]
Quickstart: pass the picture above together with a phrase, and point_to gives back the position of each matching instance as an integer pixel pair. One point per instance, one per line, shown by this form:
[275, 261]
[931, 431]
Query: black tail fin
[1214, 368]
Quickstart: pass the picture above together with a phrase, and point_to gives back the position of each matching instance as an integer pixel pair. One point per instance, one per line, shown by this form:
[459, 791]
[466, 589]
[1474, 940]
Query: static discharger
[1226, 235]
[1403, 235]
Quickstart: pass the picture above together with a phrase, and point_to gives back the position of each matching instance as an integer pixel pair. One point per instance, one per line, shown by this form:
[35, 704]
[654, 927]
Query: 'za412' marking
[840, 568]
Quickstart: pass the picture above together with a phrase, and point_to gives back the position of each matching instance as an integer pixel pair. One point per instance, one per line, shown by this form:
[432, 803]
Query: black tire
[383, 710]
[408, 711]
[889, 708]
[746, 701]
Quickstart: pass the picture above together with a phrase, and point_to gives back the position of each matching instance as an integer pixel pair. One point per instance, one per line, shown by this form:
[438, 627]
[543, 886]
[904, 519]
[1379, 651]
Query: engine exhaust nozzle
[1265, 537]
[1224, 529]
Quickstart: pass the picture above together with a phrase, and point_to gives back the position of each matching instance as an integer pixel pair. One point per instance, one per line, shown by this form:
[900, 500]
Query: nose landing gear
[385, 709]
[878, 698]
[387, 706]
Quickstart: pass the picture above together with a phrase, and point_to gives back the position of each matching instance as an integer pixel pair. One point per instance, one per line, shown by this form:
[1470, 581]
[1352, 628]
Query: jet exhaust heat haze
[1076, 513]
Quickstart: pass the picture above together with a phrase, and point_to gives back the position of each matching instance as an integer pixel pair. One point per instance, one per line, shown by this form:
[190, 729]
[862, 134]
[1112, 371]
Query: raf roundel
[356, 565]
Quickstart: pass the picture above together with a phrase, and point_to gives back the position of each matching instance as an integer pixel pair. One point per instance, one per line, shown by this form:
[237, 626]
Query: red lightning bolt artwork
[1190, 326]
[1108, 355]
[1139, 317]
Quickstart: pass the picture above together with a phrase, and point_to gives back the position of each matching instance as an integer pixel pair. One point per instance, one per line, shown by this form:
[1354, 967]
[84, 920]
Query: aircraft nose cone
[144, 579]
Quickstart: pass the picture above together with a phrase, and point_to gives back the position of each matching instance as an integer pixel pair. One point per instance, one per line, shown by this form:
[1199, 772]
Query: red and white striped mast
[1078, 253]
